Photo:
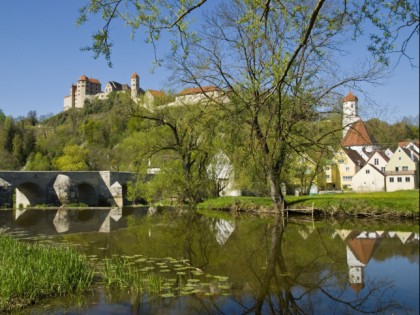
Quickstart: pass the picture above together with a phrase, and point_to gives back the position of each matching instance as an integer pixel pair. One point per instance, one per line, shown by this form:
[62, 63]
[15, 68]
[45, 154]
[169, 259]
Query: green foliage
[37, 162]
[74, 159]
[389, 135]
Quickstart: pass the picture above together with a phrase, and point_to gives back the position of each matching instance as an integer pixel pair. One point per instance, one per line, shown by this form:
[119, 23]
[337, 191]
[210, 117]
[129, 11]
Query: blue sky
[40, 58]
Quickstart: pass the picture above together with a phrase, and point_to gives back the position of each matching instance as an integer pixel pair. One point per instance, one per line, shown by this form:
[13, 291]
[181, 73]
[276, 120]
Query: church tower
[135, 85]
[350, 111]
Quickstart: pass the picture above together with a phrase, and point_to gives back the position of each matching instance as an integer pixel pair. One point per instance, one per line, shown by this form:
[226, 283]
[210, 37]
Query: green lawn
[401, 203]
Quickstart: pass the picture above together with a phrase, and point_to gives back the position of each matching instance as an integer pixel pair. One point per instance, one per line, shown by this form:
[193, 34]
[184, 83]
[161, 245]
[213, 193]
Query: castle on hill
[89, 88]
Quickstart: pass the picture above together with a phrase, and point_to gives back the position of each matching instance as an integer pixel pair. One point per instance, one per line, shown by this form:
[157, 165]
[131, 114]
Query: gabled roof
[350, 97]
[405, 143]
[157, 93]
[376, 169]
[362, 248]
[91, 80]
[203, 89]
[411, 154]
[115, 85]
[355, 157]
[134, 75]
[357, 135]
[381, 153]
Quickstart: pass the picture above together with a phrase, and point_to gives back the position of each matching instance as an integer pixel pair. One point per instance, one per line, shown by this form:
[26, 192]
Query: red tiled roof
[350, 98]
[156, 93]
[362, 248]
[134, 75]
[203, 89]
[357, 135]
[91, 80]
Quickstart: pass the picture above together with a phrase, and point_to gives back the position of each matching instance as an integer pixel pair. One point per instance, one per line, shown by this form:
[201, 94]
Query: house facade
[368, 179]
[402, 172]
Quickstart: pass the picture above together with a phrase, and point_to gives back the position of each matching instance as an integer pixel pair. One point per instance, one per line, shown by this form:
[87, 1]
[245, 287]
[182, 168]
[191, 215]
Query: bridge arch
[87, 194]
[29, 194]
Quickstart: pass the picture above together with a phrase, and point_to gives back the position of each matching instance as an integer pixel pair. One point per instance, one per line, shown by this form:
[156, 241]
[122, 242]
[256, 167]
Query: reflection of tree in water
[282, 292]
[273, 269]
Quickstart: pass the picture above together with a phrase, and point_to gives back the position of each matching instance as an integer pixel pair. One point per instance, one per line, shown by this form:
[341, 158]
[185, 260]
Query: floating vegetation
[155, 276]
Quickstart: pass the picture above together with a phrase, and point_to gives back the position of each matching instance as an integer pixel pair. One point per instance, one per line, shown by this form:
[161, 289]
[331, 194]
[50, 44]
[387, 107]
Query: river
[241, 264]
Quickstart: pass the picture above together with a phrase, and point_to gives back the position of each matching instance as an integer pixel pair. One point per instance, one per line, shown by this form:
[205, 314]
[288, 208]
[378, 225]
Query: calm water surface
[253, 264]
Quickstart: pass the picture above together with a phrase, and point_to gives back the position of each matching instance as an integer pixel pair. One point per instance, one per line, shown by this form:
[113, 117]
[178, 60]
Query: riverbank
[404, 204]
[31, 272]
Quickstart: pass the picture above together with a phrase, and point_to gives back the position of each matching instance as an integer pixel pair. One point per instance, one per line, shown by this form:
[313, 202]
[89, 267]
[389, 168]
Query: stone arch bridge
[103, 188]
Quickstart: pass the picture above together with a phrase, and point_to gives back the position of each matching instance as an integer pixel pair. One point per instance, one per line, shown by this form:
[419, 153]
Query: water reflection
[274, 266]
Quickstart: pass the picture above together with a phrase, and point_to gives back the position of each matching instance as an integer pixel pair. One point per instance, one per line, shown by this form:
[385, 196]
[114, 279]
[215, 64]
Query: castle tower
[81, 91]
[135, 85]
[350, 111]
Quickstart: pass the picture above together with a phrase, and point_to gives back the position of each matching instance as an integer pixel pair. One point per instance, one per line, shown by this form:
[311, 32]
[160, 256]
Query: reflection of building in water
[306, 231]
[360, 246]
[223, 230]
[359, 251]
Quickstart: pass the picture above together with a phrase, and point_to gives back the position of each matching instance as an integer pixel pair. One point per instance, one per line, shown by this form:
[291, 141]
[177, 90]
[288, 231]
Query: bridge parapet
[103, 188]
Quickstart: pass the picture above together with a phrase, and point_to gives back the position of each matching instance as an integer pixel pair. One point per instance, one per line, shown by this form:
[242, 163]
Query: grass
[399, 203]
[30, 272]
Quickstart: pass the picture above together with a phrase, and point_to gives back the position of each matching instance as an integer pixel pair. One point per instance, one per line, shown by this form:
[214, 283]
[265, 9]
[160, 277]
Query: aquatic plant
[165, 277]
[30, 272]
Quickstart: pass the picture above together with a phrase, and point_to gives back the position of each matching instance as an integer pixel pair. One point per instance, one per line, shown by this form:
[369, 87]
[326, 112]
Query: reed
[30, 272]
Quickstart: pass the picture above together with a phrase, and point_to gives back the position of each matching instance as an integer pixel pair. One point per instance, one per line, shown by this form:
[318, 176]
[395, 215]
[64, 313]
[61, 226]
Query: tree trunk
[276, 193]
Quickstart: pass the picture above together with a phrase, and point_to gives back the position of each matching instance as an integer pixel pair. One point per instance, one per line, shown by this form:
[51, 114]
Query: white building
[402, 171]
[371, 177]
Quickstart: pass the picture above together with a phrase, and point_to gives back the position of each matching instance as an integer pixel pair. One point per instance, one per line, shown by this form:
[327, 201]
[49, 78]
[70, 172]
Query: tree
[395, 23]
[181, 137]
[280, 74]
[276, 60]
[74, 159]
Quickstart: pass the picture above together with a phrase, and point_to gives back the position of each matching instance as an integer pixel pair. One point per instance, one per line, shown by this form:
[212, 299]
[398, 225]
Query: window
[405, 168]
[399, 179]
[347, 178]
[327, 168]
[383, 169]
[391, 179]
[407, 179]
[397, 168]
[327, 176]
[367, 171]
[376, 161]
[399, 158]
[347, 169]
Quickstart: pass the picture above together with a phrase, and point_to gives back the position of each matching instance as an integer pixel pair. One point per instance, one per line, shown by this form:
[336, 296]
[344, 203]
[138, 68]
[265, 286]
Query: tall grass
[29, 272]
